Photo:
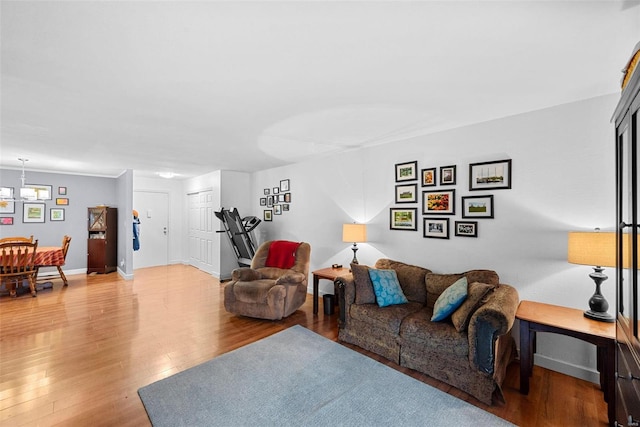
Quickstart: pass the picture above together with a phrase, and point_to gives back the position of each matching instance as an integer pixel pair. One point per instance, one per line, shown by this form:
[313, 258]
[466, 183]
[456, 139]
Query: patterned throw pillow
[386, 287]
[364, 287]
[450, 300]
[476, 294]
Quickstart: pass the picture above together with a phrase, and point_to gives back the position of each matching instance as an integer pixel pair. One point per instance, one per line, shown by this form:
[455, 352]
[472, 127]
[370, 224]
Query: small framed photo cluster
[276, 199]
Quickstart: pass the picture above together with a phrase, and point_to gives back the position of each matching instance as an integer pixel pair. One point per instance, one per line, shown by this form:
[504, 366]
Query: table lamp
[597, 249]
[356, 233]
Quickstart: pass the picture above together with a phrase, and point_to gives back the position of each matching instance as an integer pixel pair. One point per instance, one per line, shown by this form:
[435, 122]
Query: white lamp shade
[597, 248]
[28, 193]
[355, 233]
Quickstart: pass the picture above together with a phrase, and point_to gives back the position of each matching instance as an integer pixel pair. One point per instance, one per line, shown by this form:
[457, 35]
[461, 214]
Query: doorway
[153, 211]
[202, 235]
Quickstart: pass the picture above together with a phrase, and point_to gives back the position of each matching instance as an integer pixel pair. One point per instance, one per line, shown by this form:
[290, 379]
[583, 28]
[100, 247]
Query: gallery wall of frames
[34, 209]
[276, 200]
[431, 192]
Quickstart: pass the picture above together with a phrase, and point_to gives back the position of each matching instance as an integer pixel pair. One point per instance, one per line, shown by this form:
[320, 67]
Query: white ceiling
[191, 87]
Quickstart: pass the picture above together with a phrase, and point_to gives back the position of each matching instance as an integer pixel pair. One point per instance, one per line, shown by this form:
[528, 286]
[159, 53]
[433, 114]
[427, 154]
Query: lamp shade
[356, 233]
[592, 248]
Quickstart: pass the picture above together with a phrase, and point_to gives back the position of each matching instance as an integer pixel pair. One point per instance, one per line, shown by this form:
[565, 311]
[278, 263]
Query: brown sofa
[469, 350]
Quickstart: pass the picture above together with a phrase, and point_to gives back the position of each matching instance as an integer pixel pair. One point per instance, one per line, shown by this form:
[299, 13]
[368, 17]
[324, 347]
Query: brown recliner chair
[274, 286]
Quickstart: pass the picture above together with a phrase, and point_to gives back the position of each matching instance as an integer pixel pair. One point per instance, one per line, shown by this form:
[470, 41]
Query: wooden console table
[538, 317]
[328, 274]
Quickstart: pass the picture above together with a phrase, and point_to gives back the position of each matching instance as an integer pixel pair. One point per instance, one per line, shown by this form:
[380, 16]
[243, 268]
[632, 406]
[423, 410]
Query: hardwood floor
[76, 355]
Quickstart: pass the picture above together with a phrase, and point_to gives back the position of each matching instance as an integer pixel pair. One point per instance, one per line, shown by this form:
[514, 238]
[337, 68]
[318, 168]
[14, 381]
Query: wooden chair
[17, 239]
[18, 263]
[66, 240]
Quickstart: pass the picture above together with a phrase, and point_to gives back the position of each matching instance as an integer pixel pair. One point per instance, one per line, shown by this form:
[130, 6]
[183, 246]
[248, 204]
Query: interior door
[153, 211]
[202, 234]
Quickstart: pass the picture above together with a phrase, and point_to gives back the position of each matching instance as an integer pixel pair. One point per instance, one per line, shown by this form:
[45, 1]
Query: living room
[562, 179]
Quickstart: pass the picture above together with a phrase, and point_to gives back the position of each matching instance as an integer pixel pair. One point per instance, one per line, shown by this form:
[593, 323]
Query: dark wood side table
[538, 317]
[328, 274]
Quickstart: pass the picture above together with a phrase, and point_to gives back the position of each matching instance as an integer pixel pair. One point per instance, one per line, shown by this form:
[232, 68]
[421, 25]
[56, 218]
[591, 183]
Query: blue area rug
[299, 378]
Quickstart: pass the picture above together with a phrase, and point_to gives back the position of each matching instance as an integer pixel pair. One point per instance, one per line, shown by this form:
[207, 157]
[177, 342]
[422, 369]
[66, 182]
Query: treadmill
[239, 231]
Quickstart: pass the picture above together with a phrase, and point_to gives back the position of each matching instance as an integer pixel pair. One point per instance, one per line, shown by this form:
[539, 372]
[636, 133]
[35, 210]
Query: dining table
[49, 256]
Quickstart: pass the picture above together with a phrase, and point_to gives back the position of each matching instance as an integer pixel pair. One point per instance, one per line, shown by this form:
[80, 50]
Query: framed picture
[439, 202]
[403, 219]
[287, 197]
[406, 171]
[7, 206]
[267, 215]
[269, 201]
[284, 185]
[407, 193]
[477, 206]
[6, 220]
[263, 201]
[448, 175]
[277, 209]
[466, 228]
[62, 191]
[62, 201]
[43, 192]
[33, 212]
[428, 177]
[267, 191]
[436, 228]
[494, 175]
[56, 214]
[285, 207]
[275, 190]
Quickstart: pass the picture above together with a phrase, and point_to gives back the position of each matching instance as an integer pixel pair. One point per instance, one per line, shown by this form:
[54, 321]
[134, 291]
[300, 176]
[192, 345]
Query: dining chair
[18, 263]
[17, 239]
[66, 240]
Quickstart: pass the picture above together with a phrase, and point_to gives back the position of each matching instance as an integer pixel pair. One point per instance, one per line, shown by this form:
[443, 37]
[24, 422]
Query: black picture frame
[448, 175]
[429, 177]
[56, 214]
[478, 206]
[407, 193]
[284, 185]
[439, 202]
[407, 171]
[435, 228]
[267, 215]
[466, 228]
[494, 175]
[403, 219]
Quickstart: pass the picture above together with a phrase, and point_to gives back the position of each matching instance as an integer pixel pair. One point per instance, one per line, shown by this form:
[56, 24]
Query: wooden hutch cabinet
[627, 123]
[102, 244]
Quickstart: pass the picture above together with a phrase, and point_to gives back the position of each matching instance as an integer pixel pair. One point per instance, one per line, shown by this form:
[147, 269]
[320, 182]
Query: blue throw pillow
[450, 300]
[386, 287]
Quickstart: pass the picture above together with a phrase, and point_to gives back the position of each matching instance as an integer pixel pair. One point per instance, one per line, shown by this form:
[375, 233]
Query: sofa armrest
[291, 277]
[346, 295]
[491, 320]
[245, 274]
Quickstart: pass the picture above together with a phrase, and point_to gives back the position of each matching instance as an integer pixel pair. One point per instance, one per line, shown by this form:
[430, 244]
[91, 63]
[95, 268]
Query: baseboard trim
[570, 369]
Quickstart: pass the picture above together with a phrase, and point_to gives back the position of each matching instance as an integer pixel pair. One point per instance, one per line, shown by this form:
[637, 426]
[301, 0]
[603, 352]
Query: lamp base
[354, 248]
[600, 317]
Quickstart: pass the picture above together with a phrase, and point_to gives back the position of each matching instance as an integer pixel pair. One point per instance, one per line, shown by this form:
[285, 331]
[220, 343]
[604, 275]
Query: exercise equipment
[239, 231]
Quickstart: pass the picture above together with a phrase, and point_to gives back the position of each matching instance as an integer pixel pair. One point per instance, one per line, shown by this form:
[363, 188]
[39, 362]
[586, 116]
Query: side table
[538, 317]
[328, 274]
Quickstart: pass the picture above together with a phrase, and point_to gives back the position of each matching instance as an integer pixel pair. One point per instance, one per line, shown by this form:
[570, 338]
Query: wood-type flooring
[76, 355]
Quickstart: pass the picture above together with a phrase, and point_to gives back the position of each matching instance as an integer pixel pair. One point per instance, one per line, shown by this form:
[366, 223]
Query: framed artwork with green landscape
[407, 193]
[477, 206]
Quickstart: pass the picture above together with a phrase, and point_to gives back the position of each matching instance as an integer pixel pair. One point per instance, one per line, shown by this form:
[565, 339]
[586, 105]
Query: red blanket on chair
[282, 254]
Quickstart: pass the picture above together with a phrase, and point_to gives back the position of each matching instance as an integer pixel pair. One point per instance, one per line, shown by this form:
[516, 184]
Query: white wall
[563, 179]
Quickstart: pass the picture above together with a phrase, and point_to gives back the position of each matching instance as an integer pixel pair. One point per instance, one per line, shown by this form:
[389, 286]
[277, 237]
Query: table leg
[316, 281]
[608, 376]
[526, 356]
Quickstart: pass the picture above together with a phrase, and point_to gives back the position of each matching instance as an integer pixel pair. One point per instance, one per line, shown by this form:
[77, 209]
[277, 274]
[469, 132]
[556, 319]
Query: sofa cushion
[364, 287]
[476, 296]
[450, 300]
[386, 287]
[384, 318]
[411, 278]
[437, 283]
[418, 329]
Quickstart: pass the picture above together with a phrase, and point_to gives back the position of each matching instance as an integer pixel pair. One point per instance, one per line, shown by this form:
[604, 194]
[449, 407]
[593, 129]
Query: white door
[202, 234]
[153, 211]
